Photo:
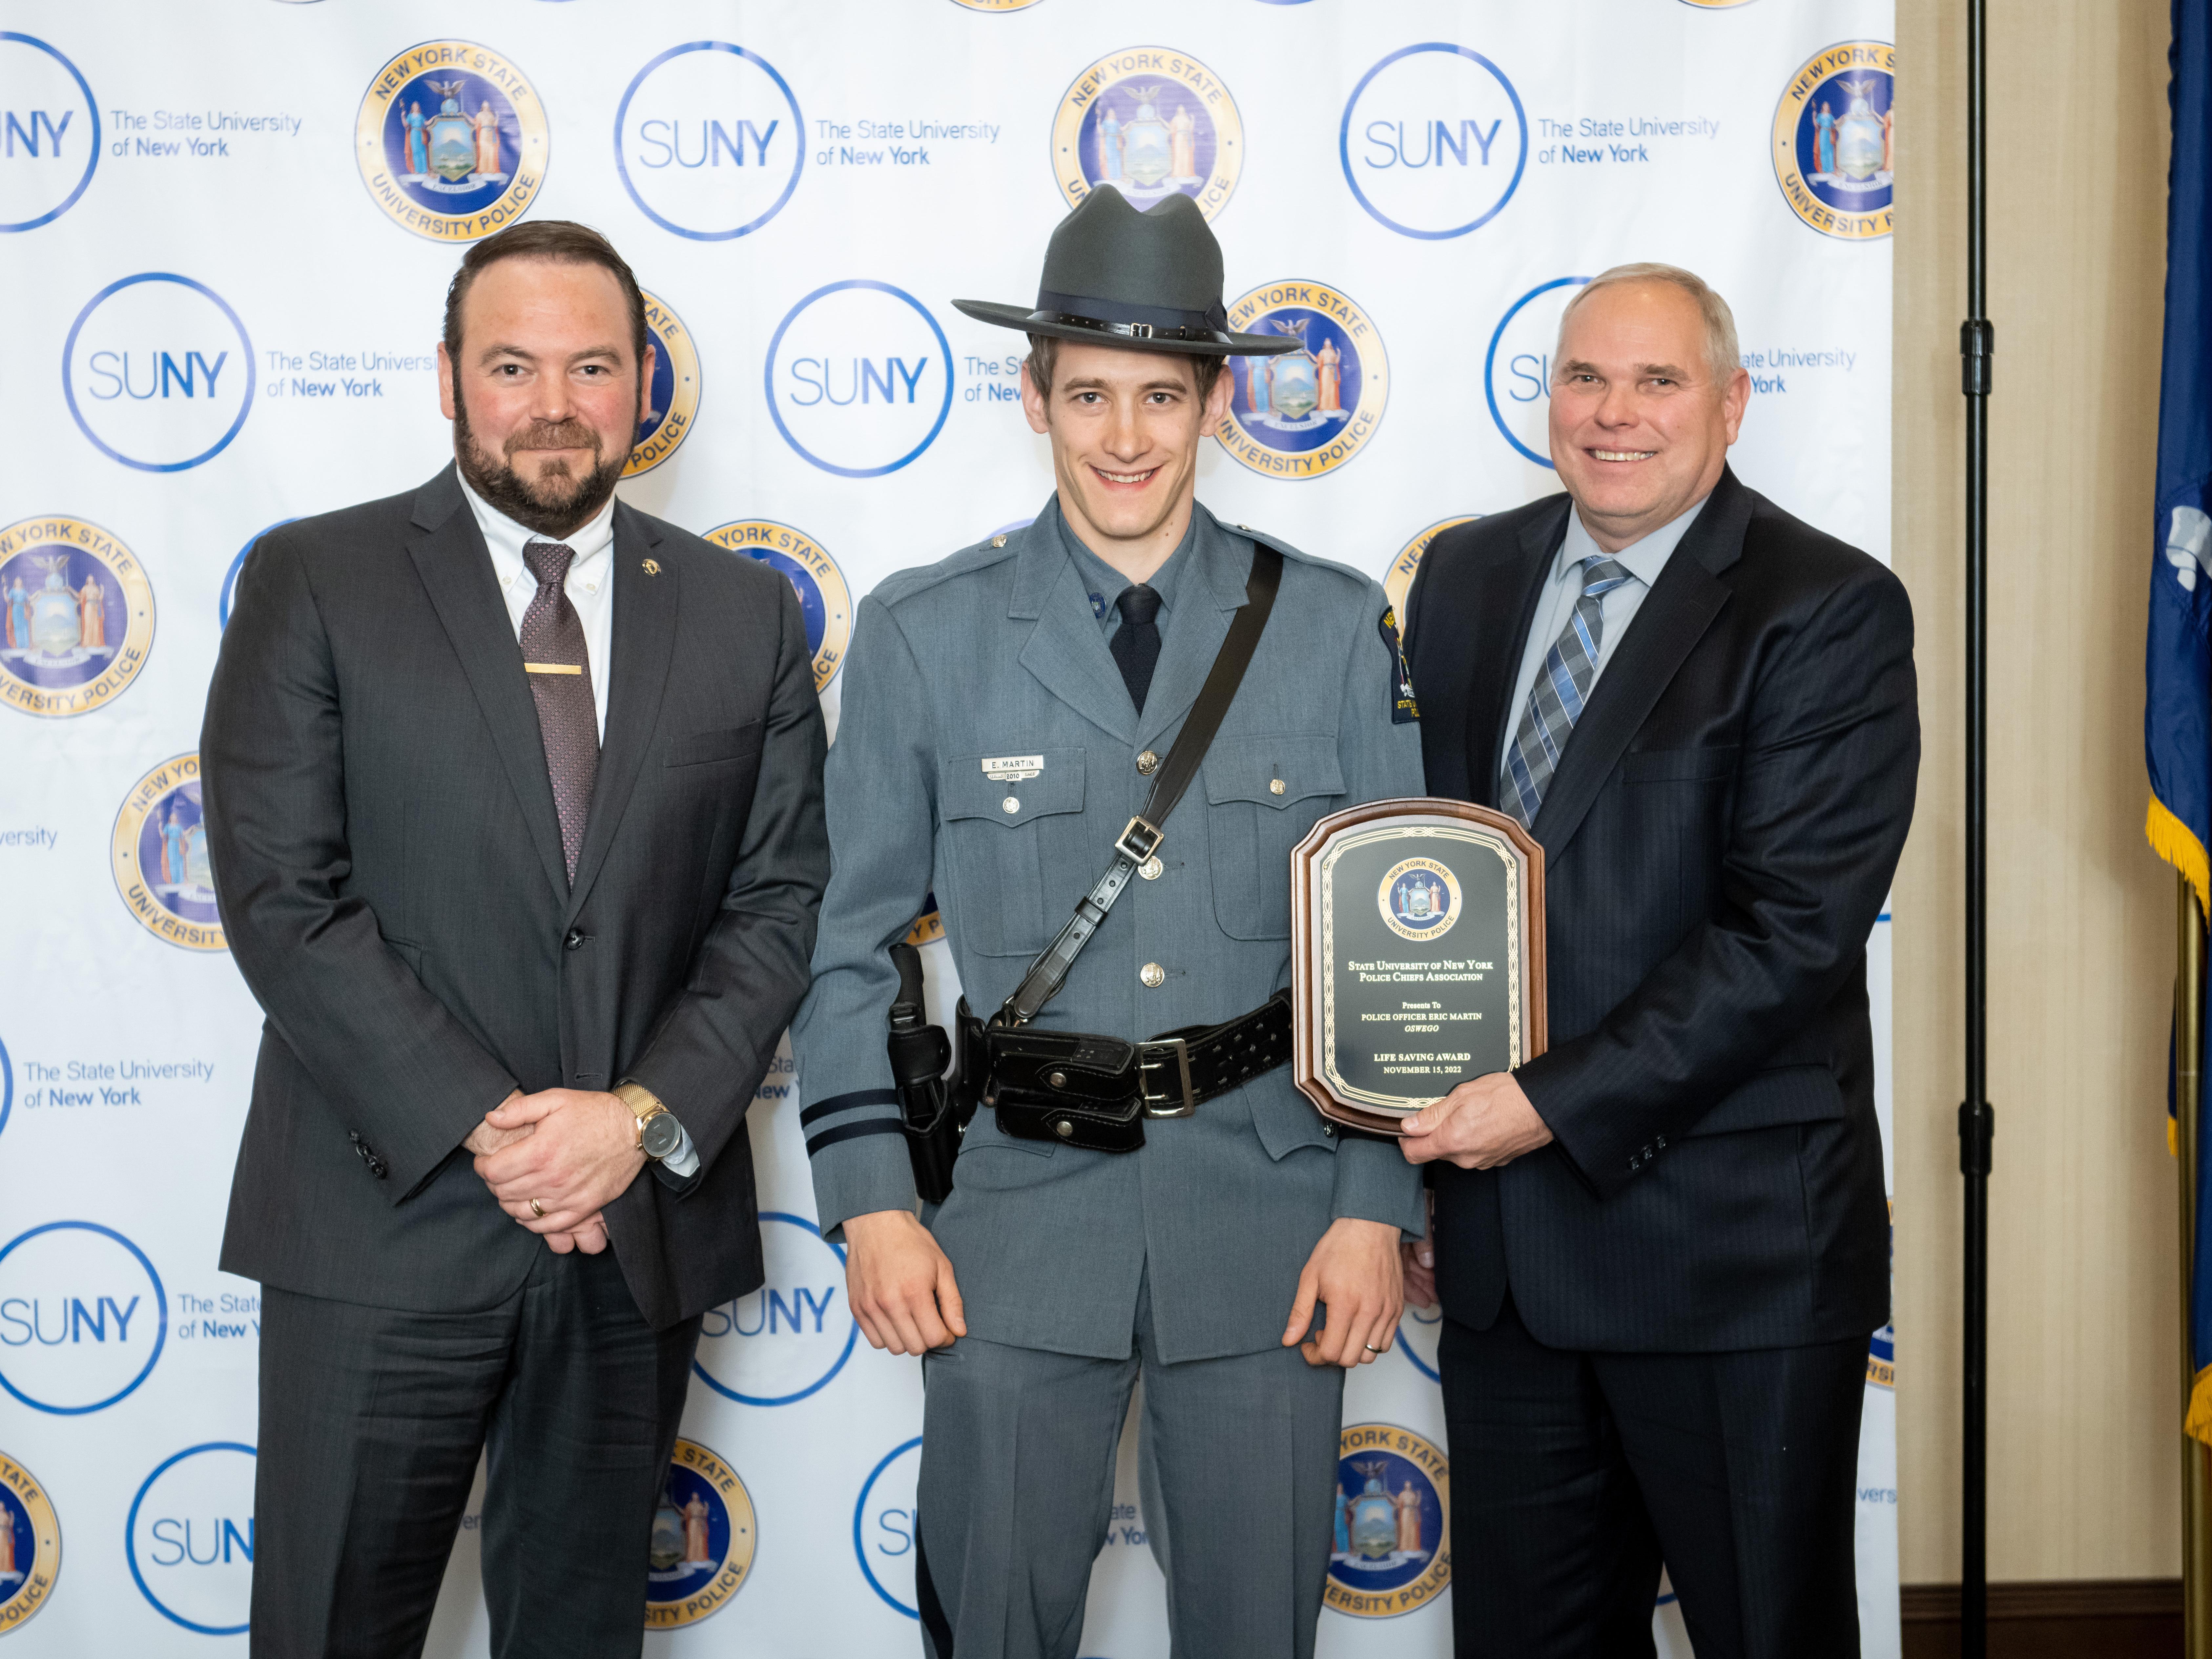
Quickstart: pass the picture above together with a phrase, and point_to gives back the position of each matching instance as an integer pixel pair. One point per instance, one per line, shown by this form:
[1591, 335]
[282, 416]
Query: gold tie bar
[551, 668]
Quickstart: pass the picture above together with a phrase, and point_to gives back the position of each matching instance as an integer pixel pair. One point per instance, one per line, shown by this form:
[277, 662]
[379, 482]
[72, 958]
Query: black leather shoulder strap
[1144, 832]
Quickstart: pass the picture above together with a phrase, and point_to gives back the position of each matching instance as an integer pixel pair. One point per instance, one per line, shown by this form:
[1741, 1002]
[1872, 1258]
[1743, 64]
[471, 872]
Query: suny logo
[49, 133]
[859, 378]
[189, 1537]
[158, 371]
[83, 1317]
[883, 1526]
[1433, 141]
[709, 140]
[1518, 373]
[787, 1339]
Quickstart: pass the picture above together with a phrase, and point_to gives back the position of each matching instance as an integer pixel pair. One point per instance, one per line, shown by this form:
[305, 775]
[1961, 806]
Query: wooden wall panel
[2084, 1342]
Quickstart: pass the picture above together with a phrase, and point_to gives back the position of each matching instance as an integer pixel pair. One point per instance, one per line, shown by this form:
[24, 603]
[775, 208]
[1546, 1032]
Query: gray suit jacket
[388, 861]
[996, 652]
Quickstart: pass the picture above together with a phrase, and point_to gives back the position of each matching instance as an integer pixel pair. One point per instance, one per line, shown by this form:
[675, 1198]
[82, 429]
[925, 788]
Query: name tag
[1011, 769]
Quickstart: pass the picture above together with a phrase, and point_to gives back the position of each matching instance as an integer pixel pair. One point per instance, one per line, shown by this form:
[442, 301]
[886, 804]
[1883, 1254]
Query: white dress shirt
[591, 588]
[590, 584]
[1643, 560]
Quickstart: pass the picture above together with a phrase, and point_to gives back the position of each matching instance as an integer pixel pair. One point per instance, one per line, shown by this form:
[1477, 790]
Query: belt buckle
[1140, 851]
[1177, 1100]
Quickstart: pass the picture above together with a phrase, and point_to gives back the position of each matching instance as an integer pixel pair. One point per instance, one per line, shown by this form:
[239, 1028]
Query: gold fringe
[2174, 841]
[2199, 1421]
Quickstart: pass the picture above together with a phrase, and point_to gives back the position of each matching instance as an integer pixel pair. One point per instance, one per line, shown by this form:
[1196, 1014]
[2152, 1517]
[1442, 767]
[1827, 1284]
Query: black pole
[1976, 1121]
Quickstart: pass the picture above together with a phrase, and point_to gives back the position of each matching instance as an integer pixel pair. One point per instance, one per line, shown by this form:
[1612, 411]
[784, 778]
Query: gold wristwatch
[658, 1133]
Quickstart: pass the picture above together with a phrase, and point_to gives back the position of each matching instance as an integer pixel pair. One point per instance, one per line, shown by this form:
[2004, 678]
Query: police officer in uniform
[1007, 713]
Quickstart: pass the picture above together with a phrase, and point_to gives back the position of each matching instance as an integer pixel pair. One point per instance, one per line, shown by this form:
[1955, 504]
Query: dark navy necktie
[1136, 642]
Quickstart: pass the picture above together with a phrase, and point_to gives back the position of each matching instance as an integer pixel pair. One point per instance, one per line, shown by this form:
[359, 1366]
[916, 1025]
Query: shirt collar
[1642, 560]
[1102, 581]
[506, 539]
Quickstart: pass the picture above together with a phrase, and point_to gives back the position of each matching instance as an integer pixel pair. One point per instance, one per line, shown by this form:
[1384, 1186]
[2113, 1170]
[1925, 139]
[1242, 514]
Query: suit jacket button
[1153, 975]
[1148, 763]
[575, 939]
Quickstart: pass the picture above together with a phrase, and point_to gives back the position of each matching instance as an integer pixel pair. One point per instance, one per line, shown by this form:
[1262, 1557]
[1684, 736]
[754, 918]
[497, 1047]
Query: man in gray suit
[514, 799]
[1005, 713]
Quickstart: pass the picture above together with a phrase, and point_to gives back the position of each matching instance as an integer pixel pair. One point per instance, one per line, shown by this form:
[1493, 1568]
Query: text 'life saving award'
[1417, 949]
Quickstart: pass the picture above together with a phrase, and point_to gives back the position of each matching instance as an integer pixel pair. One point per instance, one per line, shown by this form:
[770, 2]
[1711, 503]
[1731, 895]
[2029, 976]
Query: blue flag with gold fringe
[2177, 669]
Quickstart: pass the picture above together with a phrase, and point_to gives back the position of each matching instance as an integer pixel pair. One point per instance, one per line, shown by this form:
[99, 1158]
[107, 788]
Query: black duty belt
[1095, 1092]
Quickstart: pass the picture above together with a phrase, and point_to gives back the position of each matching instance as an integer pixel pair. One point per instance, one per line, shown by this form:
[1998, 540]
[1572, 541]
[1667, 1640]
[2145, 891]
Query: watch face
[663, 1134]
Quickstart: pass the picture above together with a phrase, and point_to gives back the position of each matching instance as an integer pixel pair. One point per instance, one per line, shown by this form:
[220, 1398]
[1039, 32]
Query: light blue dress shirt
[1642, 560]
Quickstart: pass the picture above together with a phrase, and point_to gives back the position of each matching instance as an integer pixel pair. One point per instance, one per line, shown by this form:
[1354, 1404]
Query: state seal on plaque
[1149, 121]
[703, 1539]
[160, 857]
[452, 141]
[76, 616]
[1391, 1552]
[675, 399]
[1835, 140]
[823, 599]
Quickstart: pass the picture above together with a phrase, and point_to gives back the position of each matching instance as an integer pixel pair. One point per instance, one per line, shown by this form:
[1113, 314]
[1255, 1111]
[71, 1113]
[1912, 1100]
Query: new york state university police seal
[823, 599]
[1392, 1549]
[30, 1546]
[452, 140]
[1310, 410]
[77, 616]
[704, 1535]
[675, 403]
[1149, 122]
[1835, 140]
[160, 857]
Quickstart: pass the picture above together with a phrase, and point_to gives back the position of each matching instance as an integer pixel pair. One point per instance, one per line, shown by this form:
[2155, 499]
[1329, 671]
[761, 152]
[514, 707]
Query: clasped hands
[574, 1150]
[900, 1286]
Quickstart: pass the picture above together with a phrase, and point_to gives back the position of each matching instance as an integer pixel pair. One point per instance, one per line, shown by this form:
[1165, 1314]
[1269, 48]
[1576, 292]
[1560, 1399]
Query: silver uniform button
[997, 541]
[1150, 868]
[1012, 804]
[1153, 975]
[1148, 763]
[1274, 786]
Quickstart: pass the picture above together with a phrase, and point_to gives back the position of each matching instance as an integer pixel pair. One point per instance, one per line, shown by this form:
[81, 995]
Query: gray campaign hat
[1148, 281]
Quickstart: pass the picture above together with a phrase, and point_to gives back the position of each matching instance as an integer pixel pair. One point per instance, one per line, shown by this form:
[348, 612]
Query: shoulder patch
[1403, 709]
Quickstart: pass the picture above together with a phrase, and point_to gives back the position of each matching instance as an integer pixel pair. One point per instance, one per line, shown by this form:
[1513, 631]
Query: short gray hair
[1721, 357]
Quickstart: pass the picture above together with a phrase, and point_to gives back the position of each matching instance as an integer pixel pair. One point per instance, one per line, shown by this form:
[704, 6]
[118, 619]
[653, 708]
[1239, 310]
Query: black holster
[928, 1111]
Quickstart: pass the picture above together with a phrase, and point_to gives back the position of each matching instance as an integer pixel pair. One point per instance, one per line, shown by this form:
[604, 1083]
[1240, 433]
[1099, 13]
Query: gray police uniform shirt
[999, 652]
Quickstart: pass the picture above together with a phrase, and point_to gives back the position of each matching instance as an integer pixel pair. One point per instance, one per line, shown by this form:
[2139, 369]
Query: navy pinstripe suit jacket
[1718, 840]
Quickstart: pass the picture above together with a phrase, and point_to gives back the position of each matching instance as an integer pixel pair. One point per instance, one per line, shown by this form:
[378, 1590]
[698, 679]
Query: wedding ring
[1370, 1347]
[537, 1209]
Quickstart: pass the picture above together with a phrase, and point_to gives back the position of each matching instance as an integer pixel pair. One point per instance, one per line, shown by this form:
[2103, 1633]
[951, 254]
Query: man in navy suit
[1660, 1247]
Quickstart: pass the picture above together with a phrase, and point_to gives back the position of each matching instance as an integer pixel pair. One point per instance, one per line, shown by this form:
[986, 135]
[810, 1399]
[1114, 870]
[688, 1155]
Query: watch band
[644, 1105]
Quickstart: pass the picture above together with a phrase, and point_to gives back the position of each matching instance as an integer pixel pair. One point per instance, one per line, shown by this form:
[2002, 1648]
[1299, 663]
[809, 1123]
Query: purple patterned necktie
[560, 669]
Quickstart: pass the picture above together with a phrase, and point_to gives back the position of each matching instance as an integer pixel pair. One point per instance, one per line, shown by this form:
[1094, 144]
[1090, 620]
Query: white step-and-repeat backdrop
[225, 234]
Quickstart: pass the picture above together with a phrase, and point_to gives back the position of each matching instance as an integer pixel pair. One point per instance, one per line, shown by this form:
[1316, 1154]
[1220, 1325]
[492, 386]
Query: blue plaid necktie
[1555, 701]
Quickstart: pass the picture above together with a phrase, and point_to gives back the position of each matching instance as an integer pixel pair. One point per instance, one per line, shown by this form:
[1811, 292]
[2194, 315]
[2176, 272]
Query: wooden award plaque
[1416, 953]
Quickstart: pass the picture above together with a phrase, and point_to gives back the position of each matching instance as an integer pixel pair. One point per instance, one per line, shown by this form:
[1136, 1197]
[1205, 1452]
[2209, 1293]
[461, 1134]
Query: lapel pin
[653, 567]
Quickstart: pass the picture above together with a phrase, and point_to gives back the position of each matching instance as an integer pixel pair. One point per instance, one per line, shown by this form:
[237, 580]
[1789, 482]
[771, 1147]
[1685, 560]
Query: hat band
[1130, 322]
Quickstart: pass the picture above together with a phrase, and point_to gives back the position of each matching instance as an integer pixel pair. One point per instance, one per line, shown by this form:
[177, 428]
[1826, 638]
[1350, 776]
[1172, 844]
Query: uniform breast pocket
[1263, 794]
[1004, 835]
